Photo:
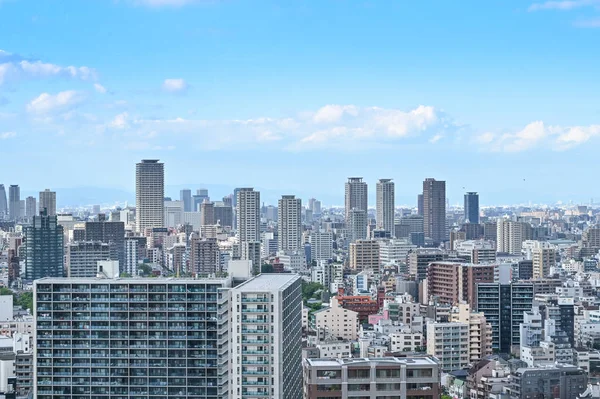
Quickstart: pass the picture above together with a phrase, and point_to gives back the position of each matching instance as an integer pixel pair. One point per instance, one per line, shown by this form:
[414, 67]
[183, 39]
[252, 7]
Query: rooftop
[130, 280]
[268, 282]
[419, 361]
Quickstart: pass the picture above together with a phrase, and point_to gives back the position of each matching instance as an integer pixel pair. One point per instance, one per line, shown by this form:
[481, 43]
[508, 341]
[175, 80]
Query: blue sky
[500, 97]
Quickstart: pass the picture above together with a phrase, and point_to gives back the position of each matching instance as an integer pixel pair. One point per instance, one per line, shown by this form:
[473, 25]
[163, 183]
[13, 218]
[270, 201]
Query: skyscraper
[385, 205]
[289, 223]
[420, 204]
[3, 202]
[434, 210]
[472, 208]
[266, 343]
[109, 233]
[356, 195]
[207, 213]
[149, 194]
[248, 223]
[44, 248]
[48, 201]
[185, 196]
[357, 224]
[14, 202]
[30, 207]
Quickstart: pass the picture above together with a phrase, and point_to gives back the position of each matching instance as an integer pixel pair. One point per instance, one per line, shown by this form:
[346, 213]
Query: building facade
[356, 195]
[289, 223]
[434, 210]
[149, 194]
[48, 201]
[385, 205]
[44, 248]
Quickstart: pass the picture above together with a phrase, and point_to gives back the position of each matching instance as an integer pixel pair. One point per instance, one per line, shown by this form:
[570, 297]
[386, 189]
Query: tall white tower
[149, 194]
[385, 205]
[289, 223]
[356, 195]
[248, 224]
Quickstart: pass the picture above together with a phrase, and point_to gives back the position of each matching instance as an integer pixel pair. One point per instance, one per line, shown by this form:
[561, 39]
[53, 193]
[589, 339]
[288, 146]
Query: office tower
[248, 222]
[289, 223]
[224, 214]
[204, 256]
[30, 207]
[381, 377]
[419, 260]
[356, 196]
[510, 236]
[364, 255]
[48, 201]
[149, 194]
[317, 208]
[385, 205]
[14, 202]
[420, 205]
[407, 225]
[434, 210]
[173, 213]
[452, 283]
[266, 342]
[311, 204]
[185, 196]
[503, 306]
[472, 207]
[143, 338]
[3, 202]
[44, 248]
[321, 245]
[357, 224]
[112, 233]
[82, 257]
[207, 213]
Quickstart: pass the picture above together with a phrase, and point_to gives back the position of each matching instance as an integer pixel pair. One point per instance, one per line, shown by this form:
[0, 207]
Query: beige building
[364, 255]
[480, 332]
[336, 321]
[449, 342]
[543, 259]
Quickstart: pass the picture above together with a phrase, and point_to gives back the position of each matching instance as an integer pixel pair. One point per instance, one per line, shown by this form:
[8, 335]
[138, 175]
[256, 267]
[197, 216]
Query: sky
[498, 96]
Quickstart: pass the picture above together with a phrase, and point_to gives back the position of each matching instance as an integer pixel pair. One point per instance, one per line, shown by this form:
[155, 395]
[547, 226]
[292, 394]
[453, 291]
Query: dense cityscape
[199, 297]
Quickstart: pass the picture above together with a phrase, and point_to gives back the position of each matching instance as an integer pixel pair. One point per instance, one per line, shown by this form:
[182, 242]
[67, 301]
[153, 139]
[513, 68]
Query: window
[359, 373]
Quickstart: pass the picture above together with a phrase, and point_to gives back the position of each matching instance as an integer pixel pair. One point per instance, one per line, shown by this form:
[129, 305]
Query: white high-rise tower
[149, 194]
[248, 224]
[356, 195]
[289, 223]
[385, 205]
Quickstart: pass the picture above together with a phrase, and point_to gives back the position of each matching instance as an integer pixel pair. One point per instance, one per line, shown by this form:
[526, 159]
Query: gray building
[48, 201]
[185, 196]
[131, 338]
[3, 202]
[44, 252]
[356, 195]
[557, 381]
[149, 194]
[434, 210]
[472, 208]
[14, 202]
[110, 233]
[82, 257]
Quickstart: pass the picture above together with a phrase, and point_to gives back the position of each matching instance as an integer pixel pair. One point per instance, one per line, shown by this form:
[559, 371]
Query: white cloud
[333, 113]
[563, 5]
[540, 136]
[47, 103]
[14, 67]
[7, 135]
[175, 85]
[120, 121]
[99, 88]
[399, 123]
[436, 138]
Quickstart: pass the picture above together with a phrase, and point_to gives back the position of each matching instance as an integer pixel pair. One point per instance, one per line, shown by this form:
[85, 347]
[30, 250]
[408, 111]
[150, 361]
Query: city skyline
[468, 102]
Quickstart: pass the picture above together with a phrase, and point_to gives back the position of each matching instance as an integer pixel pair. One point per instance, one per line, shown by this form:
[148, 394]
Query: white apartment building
[385, 205]
[476, 251]
[266, 338]
[336, 321]
[449, 342]
[394, 251]
[149, 194]
[173, 213]
[409, 341]
[321, 245]
[289, 223]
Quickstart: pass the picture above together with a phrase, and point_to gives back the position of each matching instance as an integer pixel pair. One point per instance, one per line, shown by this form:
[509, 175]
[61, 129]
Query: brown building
[364, 305]
[452, 282]
[204, 256]
[401, 378]
[364, 255]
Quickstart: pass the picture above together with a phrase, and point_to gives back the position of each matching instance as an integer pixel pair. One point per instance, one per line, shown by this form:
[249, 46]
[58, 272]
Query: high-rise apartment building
[356, 196]
[3, 202]
[30, 207]
[149, 194]
[451, 283]
[472, 208]
[112, 233]
[503, 306]
[204, 256]
[14, 202]
[131, 257]
[224, 214]
[543, 258]
[434, 210]
[364, 255]
[289, 223]
[385, 205]
[419, 260]
[185, 196]
[44, 248]
[248, 224]
[321, 245]
[357, 224]
[48, 201]
[266, 338]
[124, 338]
[449, 343]
[82, 257]
[510, 236]
[480, 332]
[207, 213]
